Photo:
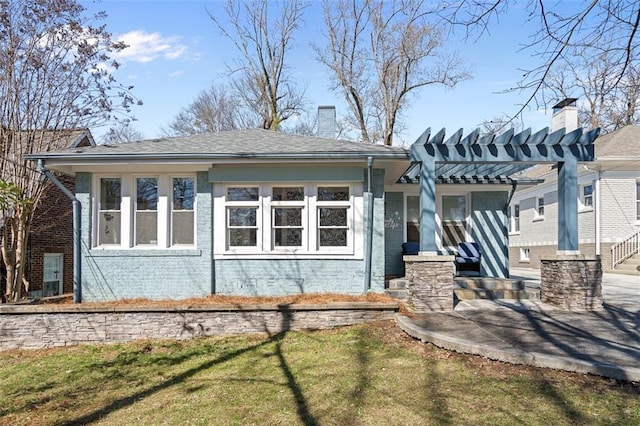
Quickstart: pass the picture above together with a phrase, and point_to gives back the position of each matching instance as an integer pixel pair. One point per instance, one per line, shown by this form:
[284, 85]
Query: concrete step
[472, 294]
[628, 267]
[400, 294]
[397, 283]
[488, 283]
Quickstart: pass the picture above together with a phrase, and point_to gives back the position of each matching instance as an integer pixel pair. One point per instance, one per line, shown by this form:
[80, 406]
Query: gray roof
[253, 143]
[624, 142]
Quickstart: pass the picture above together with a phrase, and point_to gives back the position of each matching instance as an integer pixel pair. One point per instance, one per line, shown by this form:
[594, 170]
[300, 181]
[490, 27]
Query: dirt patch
[310, 299]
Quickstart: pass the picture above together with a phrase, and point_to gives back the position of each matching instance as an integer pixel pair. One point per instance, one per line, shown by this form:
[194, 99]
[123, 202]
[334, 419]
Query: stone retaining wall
[35, 327]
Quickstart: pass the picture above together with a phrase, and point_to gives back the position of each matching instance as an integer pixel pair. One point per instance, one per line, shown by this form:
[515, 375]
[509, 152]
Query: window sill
[286, 255]
[137, 252]
[514, 233]
[538, 219]
[585, 210]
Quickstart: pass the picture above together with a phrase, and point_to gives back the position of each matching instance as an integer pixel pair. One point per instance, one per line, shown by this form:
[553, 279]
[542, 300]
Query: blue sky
[176, 51]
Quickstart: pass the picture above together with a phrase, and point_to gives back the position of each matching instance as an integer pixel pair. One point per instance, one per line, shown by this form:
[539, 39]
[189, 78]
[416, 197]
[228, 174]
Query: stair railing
[624, 249]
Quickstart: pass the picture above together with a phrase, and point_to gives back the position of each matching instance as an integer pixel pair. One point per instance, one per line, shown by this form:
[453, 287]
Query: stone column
[429, 282]
[571, 282]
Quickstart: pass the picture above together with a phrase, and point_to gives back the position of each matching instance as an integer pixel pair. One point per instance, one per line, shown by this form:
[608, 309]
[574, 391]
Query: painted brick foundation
[429, 282]
[35, 327]
[572, 282]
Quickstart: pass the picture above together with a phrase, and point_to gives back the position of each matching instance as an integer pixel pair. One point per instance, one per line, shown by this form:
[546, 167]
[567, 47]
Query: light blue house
[255, 212]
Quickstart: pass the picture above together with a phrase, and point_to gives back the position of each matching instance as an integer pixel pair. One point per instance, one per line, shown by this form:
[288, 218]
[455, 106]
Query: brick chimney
[327, 122]
[565, 115]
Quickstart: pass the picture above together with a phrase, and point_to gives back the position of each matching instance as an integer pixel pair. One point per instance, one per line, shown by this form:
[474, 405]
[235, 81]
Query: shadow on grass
[276, 338]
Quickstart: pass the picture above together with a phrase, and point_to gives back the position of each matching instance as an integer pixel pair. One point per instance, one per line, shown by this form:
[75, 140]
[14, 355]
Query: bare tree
[380, 53]
[591, 27]
[590, 76]
[264, 37]
[499, 124]
[55, 75]
[214, 109]
[122, 131]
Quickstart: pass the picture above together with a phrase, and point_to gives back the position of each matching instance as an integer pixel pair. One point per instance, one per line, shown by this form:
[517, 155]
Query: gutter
[369, 231]
[77, 232]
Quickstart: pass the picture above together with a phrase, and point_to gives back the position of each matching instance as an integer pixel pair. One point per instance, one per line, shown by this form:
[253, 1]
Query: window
[524, 254]
[145, 211]
[638, 200]
[146, 216]
[296, 218]
[333, 204]
[242, 216]
[586, 196]
[109, 211]
[182, 212]
[540, 208]
[514, 218]
[413, 218]
[454, 225]
[287, 206]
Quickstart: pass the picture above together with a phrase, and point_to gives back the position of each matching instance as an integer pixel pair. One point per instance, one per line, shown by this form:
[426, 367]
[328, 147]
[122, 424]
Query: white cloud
[146, 47]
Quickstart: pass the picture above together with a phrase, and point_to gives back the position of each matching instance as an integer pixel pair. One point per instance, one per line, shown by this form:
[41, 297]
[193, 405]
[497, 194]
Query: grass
[362, 375]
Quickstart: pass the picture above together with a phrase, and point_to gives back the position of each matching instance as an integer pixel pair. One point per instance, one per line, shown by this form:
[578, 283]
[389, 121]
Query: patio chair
[468, 257]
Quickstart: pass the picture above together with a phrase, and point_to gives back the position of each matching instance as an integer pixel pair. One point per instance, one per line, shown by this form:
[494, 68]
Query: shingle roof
[624, 142]
[254, 143]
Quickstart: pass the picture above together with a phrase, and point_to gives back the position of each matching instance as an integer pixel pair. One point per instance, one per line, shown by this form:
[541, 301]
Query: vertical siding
[393, 232]
[489, 230]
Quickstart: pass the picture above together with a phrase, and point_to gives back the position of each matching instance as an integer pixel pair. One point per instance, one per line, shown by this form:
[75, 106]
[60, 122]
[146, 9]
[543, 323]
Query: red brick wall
[52, 232]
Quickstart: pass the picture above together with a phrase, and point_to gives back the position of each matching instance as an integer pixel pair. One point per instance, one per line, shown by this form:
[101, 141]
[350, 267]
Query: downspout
[514, 187]
[597, 214]
[77, 232]
[369, 231]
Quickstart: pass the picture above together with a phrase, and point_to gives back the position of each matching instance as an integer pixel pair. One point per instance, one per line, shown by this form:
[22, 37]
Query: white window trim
[582, 206]
[171, 210]
[537, 217]
[265, 248]
[128, 212]
[525, 255]
[512, 219]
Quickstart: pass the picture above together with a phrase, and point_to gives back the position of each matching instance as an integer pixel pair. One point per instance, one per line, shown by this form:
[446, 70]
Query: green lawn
[362, 375]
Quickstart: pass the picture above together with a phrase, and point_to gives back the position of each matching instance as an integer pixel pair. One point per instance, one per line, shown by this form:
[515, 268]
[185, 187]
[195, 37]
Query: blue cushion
[410, 248]
[469, 250]
[467, 259]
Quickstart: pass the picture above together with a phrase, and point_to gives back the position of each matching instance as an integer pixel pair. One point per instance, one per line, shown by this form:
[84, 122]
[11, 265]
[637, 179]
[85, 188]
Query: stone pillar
[571, 282]
[429, 282]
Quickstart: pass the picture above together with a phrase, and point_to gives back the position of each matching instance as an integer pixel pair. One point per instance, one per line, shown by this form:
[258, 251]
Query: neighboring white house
[609, 204]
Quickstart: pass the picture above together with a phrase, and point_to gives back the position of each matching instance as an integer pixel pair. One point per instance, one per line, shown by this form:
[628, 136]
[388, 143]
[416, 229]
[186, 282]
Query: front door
[52, 285]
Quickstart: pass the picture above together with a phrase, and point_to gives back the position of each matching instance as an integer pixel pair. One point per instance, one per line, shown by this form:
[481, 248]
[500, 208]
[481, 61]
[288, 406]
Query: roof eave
[217, 156]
